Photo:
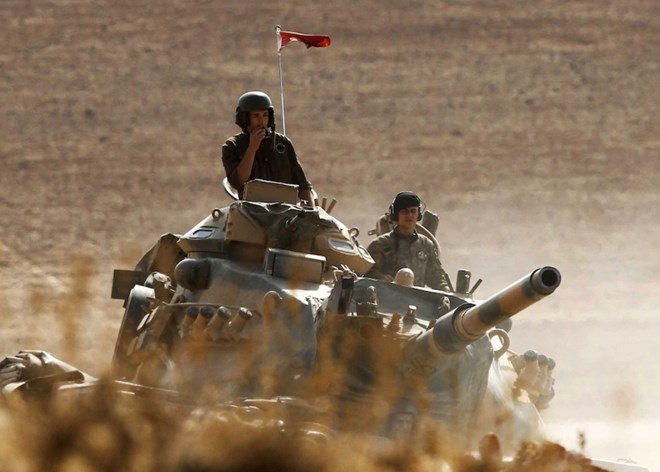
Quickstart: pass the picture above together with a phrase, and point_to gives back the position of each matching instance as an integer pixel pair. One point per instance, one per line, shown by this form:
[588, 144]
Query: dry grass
[104, 431]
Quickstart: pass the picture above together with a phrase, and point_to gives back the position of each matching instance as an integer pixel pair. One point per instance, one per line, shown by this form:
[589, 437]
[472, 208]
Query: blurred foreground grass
[105, 429]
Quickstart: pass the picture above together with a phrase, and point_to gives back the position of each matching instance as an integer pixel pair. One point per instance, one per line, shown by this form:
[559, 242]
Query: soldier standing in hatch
[257, 152]
[403, 247]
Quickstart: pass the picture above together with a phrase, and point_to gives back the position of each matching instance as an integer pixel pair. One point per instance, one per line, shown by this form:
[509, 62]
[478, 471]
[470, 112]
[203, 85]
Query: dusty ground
[531, 128]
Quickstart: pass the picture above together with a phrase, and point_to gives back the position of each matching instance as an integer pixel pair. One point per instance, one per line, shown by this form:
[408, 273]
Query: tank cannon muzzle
[465, 324]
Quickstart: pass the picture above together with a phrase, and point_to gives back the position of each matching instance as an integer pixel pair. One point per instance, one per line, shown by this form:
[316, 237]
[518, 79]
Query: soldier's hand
[256, 136]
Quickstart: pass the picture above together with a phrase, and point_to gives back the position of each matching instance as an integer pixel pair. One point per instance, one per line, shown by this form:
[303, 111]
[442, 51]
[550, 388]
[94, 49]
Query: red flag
[310, 40]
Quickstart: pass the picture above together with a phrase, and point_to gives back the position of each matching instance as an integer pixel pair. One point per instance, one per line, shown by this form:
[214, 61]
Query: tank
[265, 304]
[262, 314]
[267, 299]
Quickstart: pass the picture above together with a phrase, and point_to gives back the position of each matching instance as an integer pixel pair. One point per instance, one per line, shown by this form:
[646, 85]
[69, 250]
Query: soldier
[257, 152]
[403, 247]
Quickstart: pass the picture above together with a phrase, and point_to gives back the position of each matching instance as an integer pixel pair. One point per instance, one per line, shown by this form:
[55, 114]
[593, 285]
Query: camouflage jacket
[269, 164]
[395, 250]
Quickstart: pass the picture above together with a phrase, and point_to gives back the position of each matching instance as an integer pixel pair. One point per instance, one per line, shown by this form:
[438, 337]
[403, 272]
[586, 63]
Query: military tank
[264, 304]
[262, 311]
[267, 299]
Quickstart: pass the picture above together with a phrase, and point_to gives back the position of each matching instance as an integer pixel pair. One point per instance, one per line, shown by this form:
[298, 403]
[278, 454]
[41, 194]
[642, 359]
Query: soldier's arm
[230, 161]
[244, 167]
[378, 255]
[307, 196]
[436, 277]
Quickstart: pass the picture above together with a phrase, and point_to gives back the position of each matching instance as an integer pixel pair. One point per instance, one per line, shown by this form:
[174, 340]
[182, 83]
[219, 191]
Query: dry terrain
[530, 127]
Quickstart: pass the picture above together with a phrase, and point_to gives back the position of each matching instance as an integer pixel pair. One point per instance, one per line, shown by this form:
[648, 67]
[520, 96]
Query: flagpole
[279, 68]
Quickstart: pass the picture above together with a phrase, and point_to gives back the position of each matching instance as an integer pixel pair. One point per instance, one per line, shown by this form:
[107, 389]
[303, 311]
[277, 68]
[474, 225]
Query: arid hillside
[530, 127]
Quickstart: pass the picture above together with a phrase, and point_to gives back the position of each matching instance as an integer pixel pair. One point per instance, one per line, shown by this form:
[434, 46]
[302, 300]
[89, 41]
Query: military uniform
[396, 250]
[269, 164]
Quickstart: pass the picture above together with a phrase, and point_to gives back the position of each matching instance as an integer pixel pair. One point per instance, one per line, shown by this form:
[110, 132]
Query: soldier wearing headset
[403, 247]
[258, 152]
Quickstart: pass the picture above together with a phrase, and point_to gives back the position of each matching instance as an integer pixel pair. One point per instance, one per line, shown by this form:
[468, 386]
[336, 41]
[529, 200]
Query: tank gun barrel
[467, 323]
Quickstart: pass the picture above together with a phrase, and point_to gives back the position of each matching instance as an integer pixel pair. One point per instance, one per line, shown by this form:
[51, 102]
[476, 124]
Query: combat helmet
[254, 100]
